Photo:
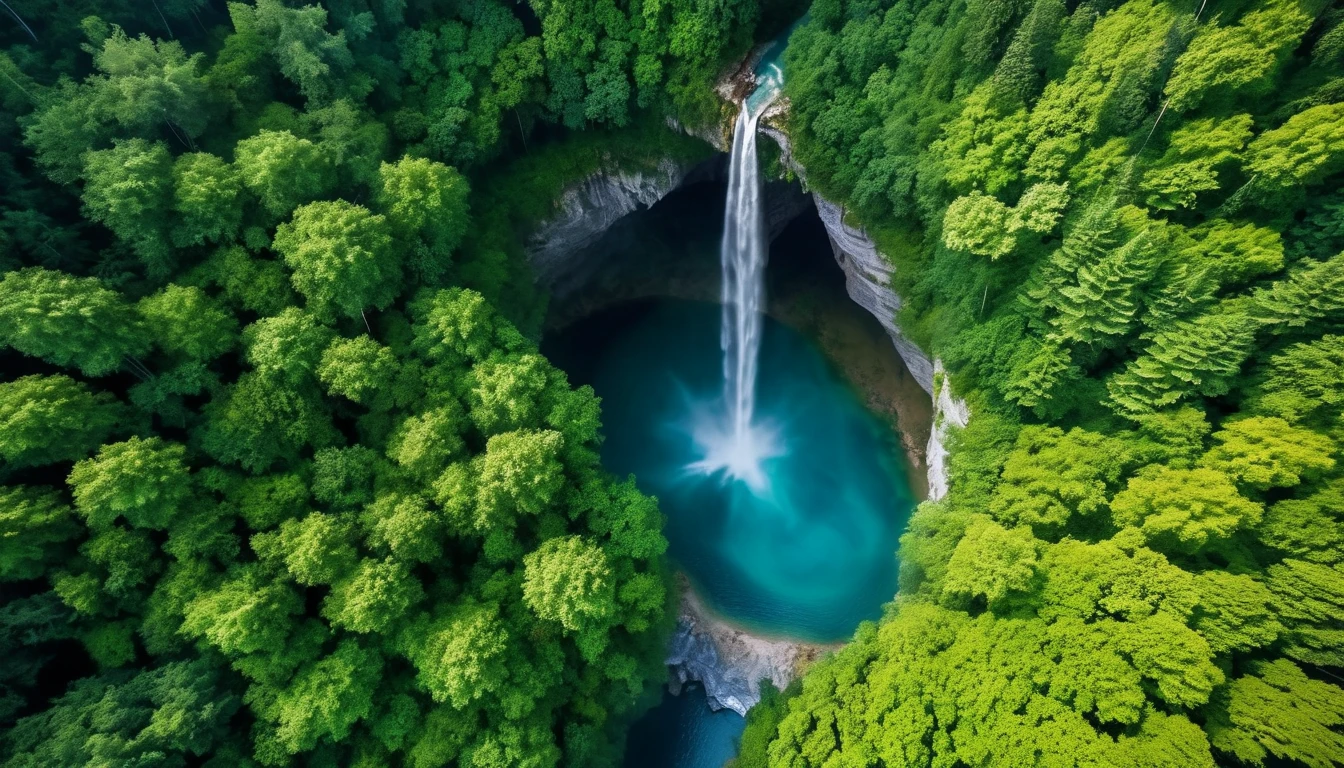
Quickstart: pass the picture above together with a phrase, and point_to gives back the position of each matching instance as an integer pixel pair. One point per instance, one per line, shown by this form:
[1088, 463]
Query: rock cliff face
[728, 662]
[949, 412]
[587, 210]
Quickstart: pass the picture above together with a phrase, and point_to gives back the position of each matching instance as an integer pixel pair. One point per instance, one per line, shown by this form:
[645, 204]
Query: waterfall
[742, 254]
[738, 446]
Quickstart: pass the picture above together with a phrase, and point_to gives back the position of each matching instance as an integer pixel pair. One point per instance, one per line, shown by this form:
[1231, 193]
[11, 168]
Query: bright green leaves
[1310, 601]
[406, 526]
[343, 477]
[1196, 356]
[1267, 452]
[1235, 612]
[425, 199]
[1237, 60]
[342, 258]
[318, 549]
[1304, 150]
[68, 321]
[1308, 528]
[327, 697]
[521, 472]
[1112, 579]
[129, 189]
[144, 481]
[1051, 476]
[374, 597]
[1277, 710]
[461, 657]
[980, 224]
[313, 59]
[983, 147]
[507, 394]
[358, 369]
[424, 444]
[184, 322]
[455, 324]
[569, 580]
[1175, 658]
[1185, 509]
[143, 84]
[1195, 153]
[207, 198]
[1305, 382]
[288, 347]
[282, 170]
[248, 613]
[992, 562]
[45, 419]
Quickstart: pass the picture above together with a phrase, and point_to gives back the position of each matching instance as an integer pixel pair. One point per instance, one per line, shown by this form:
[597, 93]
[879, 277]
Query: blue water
[681, 732]
[810, 554]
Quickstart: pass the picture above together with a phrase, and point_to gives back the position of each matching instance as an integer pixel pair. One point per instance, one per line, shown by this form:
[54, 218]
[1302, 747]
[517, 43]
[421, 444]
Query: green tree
[282, 170]
[460, 657]
[1265, 452]
[130, 189]
[373, 598]
[342, 258]
[1235, 612]
[1304, 150]
[422, 198]
[207, 200]
[360, 370]
[185, 322]
[568, 580]
[1052, 476]
[1277, 710]
[35, 525]
[144, 481]
[1185, 509]
[175, 712]
[992, 562]
[47, 419]
[68, 321]
[1238, 59]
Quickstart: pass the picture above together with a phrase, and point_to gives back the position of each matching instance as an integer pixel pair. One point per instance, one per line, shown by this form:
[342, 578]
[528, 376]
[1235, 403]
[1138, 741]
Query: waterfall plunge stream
[734, 442]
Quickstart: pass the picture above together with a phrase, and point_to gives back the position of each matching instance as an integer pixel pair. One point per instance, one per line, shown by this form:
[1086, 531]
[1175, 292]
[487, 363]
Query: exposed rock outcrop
[587, 210]
[727, 661]
[949, 412]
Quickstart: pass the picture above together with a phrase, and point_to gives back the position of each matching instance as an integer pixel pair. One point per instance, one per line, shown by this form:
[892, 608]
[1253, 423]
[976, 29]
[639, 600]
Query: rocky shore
[728, 661]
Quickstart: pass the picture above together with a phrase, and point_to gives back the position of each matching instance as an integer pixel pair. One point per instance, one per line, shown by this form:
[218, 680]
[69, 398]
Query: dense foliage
[283, 477]
[1120, 224]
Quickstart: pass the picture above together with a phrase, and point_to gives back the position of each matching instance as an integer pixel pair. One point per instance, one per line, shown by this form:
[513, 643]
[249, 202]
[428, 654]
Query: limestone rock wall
[728, 662]
[587, 210]
[949, 412]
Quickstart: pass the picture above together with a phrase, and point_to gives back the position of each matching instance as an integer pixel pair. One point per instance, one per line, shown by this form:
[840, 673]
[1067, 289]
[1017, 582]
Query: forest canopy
[1120, 225]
